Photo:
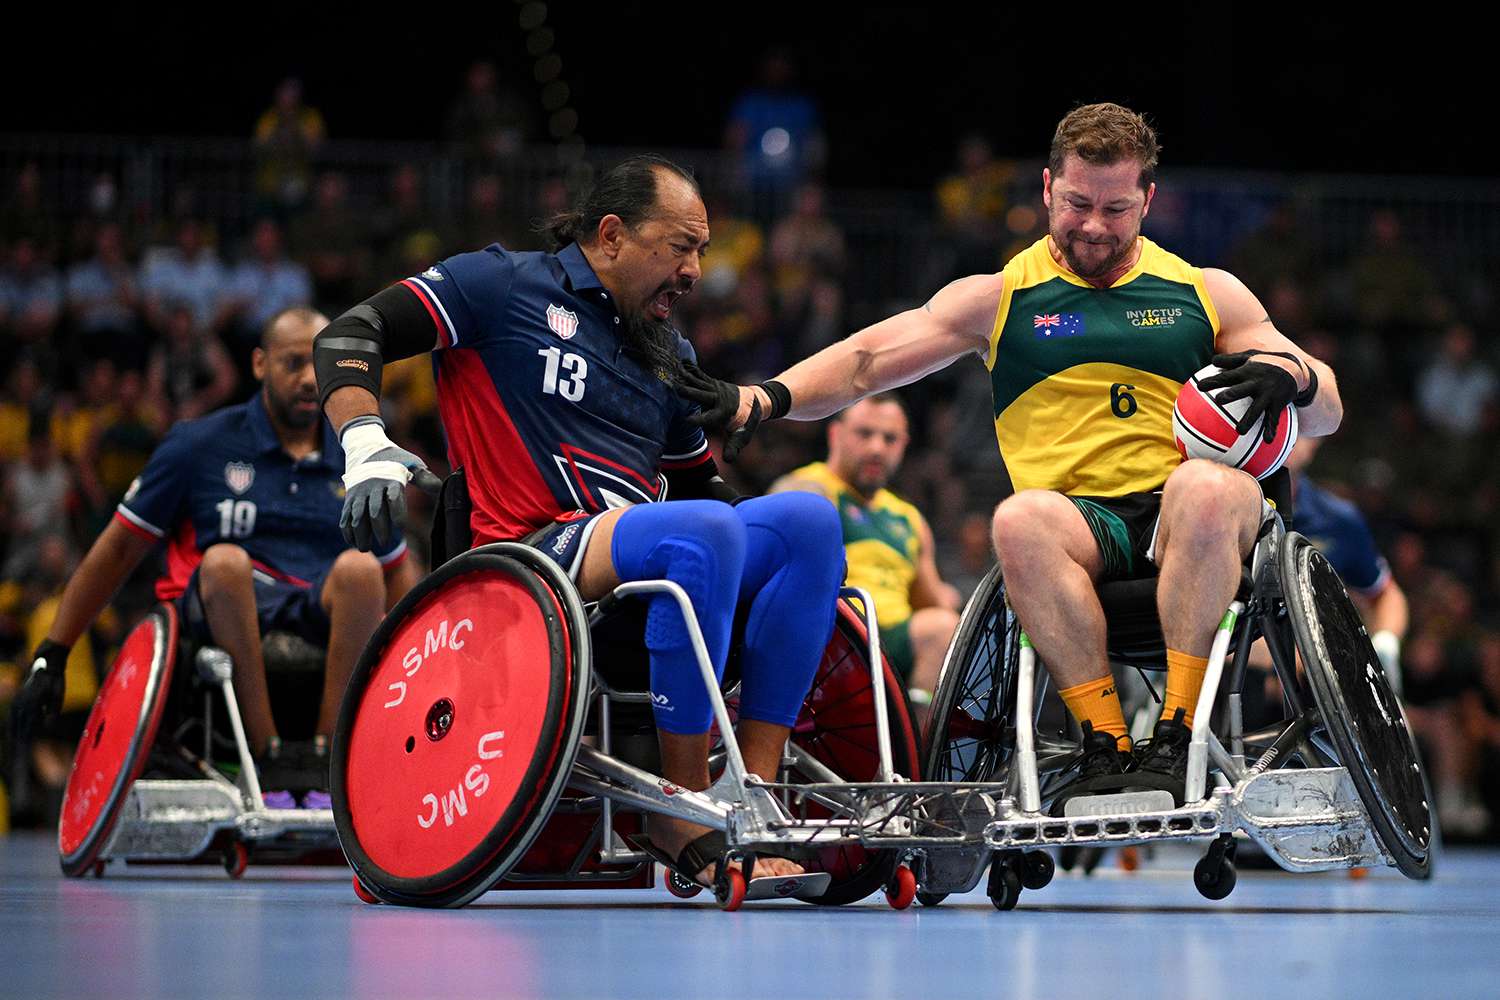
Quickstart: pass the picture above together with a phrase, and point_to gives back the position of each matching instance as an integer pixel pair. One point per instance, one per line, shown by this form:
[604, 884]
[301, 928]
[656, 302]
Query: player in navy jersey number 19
[555, 376]
[247, 500]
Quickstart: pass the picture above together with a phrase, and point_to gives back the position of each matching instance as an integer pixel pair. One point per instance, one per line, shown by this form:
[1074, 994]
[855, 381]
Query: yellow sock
[1098, 704]
[1184, 681]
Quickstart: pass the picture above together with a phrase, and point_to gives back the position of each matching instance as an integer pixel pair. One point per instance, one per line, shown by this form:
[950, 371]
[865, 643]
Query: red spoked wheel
[459, 727]
[902, 888]
[837, 727]
[117, 739]
[730, 890]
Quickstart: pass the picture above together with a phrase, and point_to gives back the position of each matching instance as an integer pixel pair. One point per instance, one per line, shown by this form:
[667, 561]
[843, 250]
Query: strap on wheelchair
[451, 533]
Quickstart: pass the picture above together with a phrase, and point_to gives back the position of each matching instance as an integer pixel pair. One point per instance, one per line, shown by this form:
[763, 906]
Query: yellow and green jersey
[1084, 378]
[882, 539]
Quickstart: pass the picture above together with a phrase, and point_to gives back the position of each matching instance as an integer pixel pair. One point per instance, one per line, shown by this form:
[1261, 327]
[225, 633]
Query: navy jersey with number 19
[545, 411]
[226, 478]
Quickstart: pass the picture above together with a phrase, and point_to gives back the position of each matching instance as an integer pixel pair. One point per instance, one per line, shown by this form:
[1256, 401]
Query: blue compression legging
[782, 554]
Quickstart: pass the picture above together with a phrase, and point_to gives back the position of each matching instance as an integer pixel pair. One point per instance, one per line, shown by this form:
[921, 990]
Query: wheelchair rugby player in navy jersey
[555, 375]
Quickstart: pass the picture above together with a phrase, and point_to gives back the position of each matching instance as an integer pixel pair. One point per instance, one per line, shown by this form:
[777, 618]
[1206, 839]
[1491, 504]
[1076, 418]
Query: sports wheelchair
[1338, 783]
[486, 741]
[156, 779]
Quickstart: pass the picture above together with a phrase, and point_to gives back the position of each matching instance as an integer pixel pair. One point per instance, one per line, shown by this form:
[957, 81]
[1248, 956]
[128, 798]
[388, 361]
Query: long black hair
[628, 189]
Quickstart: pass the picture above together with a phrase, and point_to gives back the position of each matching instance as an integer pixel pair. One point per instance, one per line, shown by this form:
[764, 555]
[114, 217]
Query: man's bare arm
[891, 353]
[928, 589]
[348, 402]
[399, 579]
[790, 483]
[114, 556]
[1387, 611]
[1244, 325]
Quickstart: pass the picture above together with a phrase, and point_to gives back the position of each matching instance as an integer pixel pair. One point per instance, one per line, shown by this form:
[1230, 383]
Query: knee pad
[700, 546]
[807, 526]
[701, 572]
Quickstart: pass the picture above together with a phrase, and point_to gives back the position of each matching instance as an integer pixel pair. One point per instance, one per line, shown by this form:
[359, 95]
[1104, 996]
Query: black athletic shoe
[1098, 768]
[1161, 761]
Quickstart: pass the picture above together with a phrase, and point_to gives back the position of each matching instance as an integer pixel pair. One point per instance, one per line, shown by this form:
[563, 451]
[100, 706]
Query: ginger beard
[1091, 258]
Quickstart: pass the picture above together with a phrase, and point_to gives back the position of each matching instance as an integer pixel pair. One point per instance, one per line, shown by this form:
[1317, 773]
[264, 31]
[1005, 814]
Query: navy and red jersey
[226, 478]
[546, 412]
[1339, 531]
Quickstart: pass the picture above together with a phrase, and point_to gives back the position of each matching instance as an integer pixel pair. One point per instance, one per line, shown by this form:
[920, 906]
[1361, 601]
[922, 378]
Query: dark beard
[653, 343]
[284, 414]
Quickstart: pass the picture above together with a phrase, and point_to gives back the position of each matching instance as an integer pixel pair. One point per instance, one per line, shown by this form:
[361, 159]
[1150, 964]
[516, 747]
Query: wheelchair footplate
[1306, 820]
[173, 819]
[807, 886]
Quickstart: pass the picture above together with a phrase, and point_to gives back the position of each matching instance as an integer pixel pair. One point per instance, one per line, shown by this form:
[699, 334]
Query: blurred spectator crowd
[114, 323]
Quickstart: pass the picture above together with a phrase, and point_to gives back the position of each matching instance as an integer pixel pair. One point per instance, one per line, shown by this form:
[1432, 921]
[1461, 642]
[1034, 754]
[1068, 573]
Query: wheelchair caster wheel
[902, 888]
[1005, 886]
[99, 869]
[1037, 869]
[931, 898]
[729, 888]
[1214, 877]
[365, 894]
[236, 859]
[681, 886]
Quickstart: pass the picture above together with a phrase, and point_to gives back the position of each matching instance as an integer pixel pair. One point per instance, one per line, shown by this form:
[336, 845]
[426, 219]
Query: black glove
[719, 402]
[41, 696]
[1269, 388]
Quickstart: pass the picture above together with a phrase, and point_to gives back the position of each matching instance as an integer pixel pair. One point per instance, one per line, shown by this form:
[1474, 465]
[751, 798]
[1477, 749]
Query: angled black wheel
[1360, 712]
[971, 732]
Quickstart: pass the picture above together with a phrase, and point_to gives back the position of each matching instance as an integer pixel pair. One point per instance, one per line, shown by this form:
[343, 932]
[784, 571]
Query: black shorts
[1124, 528]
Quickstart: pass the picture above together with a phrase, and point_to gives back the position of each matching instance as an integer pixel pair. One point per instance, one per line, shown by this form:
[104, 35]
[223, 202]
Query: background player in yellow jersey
[886, 540]
[1087, 335]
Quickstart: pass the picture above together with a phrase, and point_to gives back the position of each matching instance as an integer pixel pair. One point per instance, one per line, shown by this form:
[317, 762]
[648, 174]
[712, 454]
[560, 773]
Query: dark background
[1280, 87]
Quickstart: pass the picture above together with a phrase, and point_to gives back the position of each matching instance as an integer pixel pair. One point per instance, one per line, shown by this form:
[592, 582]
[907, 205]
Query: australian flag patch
[1053, 325]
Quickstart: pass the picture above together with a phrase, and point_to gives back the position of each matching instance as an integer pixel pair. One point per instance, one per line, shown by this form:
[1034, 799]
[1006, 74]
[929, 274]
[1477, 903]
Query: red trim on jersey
[183, 558]
[442, 331]
[653, 490]
[136, 529]
[688, 463]
[509, 496]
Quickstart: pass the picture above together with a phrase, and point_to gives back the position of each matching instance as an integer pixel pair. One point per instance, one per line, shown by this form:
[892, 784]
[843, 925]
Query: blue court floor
[300, 932]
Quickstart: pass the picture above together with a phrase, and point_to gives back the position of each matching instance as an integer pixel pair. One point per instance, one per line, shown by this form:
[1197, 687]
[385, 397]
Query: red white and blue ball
[1204, 428]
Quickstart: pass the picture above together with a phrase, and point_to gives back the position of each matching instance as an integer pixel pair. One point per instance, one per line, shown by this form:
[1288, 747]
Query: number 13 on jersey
[565, 374]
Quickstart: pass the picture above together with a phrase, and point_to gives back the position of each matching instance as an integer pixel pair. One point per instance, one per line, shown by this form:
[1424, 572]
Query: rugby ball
[1204, 428]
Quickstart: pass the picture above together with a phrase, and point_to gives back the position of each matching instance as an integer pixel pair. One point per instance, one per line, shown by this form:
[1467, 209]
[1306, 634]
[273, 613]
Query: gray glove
[375, 476]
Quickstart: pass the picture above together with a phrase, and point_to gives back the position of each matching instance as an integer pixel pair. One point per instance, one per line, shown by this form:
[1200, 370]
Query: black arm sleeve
[701, 482]
[352, 350]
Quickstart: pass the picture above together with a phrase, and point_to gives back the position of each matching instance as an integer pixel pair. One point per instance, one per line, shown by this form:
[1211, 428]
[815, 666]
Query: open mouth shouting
[660, 305]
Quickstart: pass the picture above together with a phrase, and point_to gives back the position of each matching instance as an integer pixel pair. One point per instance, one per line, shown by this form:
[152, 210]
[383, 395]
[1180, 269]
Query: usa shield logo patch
[239, 476]
[563, 322]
